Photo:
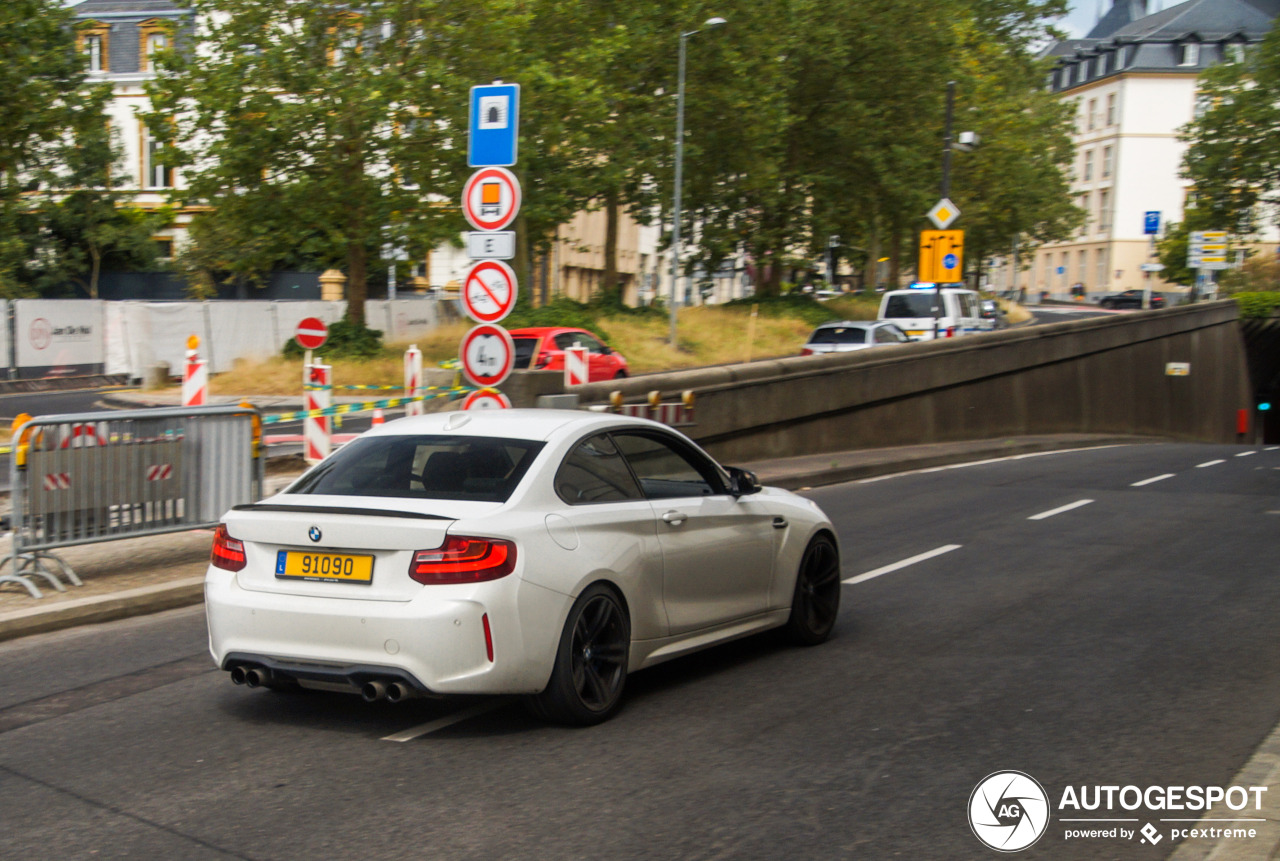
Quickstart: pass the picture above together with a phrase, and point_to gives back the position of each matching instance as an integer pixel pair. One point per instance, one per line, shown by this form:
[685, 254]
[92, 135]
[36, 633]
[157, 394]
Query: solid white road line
[449, 720]
[1209, 463]
[1246, 453]
[1147, 481]
[1077, 504]
[970, 463]
[937, 551]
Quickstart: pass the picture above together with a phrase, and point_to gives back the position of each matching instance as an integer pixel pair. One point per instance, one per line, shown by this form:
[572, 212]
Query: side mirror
[742, 482]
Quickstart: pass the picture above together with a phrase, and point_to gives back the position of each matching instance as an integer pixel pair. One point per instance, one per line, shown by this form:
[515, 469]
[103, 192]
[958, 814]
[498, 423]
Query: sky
[1084, 13]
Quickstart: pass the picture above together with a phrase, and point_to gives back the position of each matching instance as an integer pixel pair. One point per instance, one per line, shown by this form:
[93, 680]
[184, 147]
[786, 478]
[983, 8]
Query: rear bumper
[436, 643]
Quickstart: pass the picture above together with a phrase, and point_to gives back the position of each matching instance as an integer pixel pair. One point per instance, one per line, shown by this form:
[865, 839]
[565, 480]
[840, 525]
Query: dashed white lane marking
[449, 720]
[937, 551]
[1272, 448]
[1209, 463]
[1246, 453]
[1147, 481]
[1059, 510]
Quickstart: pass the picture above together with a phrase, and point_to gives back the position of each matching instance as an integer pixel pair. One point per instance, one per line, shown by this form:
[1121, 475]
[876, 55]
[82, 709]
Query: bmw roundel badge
[314, 533]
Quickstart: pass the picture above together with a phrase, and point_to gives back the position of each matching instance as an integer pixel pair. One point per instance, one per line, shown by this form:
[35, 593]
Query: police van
[926, 311]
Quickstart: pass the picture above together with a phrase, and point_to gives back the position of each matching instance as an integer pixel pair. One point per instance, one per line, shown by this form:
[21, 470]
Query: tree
[56, 215]
[1233, 152]
[316, 131]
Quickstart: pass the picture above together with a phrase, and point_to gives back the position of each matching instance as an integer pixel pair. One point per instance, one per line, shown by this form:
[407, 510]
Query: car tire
[590, 668]
[815, 603]
[621, 375]
[1107, 303]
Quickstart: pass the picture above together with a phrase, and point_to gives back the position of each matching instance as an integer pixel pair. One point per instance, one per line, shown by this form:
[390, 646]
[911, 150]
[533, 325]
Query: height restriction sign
[491, 198]
[487, 354]
[489, 292]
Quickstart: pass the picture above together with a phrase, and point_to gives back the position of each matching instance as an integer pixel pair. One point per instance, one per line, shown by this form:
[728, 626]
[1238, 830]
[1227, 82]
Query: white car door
[717, 550]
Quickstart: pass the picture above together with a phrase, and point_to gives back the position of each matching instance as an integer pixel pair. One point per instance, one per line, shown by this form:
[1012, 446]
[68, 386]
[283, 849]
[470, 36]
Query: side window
[595, 472]
[565, 340]
[885, 335]
[665, 469]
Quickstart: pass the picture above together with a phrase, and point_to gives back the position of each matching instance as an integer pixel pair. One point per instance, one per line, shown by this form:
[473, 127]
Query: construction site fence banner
[74, 337]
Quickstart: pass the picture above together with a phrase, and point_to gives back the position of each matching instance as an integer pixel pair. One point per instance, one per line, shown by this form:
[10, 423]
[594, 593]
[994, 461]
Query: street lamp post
[675, 207]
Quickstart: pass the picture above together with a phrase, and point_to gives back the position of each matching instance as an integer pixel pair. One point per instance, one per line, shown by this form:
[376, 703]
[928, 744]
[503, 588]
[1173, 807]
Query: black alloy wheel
[816, 601]
[591, 662]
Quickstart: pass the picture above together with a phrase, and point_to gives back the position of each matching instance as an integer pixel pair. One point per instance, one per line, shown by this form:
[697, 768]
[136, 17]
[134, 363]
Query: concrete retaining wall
[1105, 375]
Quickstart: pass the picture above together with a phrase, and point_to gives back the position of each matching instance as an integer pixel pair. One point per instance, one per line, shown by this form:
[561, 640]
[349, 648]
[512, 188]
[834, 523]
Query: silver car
[852, 335]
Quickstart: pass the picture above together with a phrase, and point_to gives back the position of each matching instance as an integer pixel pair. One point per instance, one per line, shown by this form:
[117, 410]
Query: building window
[156, 174]
[1083, 202]
[1189, 54]
[1088, 166]
[1122, 57]
[1082, 267]
[1100, 268]
[1063, 268]
[1108, 162]
[164, 247]
[1104, 211]
[1111, 109]
[153, 38]
[94, 42]
[1234, 52]
[1093, 114]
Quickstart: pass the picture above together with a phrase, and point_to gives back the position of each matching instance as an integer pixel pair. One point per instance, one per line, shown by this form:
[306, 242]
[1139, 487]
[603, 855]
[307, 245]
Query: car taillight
[544, 359]
[806, 352]
[464, 560]
[228, 552]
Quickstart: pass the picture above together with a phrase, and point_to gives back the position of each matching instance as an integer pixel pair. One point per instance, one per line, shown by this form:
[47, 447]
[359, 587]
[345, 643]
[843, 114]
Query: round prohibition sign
[486, 399]
[489, 292]
[491, 198]
[311, 333]
[488, 354]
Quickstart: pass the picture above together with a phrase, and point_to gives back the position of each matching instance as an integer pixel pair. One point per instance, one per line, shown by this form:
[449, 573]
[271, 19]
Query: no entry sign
[311, 333]
[487, 355]
[489, 292]
[491, 198]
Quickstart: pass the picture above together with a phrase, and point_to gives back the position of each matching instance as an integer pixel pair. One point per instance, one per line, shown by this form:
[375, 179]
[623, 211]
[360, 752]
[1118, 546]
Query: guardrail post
[413, 381]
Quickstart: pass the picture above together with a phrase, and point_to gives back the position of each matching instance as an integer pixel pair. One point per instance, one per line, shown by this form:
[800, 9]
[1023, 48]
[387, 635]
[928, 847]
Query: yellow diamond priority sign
[944, 213]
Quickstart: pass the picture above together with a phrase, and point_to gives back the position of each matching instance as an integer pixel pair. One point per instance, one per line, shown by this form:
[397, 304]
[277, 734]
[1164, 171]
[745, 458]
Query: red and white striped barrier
[575, 365]
[195, 377]
[57, 481]
[413, 381]
[316, 430]
[160, 472]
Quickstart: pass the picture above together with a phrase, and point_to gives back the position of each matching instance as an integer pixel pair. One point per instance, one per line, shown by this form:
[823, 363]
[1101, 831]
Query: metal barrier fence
[87, 477]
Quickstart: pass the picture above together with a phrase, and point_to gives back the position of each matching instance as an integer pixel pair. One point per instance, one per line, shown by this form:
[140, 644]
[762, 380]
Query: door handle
[674, 518]
[779, 523]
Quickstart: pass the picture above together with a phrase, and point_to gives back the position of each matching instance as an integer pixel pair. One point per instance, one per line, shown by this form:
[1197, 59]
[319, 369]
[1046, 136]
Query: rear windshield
[524, 351]
[910, 305]
[482, 469]
[839, 335]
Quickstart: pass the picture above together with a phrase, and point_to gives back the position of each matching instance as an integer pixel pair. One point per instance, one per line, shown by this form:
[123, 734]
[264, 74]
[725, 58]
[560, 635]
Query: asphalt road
[1127, 640]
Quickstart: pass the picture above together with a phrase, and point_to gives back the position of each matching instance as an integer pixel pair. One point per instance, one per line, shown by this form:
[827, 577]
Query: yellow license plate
[298, 565]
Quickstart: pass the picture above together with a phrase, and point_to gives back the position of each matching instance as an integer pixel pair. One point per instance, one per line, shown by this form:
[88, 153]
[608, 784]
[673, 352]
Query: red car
[541, 348]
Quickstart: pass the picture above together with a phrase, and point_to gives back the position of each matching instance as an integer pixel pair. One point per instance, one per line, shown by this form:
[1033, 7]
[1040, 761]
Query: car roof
[542, 331]
[853, 324]
[528, 424]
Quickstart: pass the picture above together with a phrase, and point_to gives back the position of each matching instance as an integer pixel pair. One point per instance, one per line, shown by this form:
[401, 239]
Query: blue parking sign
[1150, 223]
[495, 118]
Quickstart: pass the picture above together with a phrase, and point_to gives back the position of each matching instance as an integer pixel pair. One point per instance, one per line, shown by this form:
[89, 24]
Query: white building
[1133, 81]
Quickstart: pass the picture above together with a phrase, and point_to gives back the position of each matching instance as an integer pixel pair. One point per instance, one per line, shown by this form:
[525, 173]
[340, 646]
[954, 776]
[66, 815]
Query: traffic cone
[377, 417]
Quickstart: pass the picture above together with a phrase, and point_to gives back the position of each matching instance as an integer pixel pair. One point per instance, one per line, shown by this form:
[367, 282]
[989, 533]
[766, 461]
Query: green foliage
[1233, 152]
[59, 222]
[1258, 304]
[346, 340]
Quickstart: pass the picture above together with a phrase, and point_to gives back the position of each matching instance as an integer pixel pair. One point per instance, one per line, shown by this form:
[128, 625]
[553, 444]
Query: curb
[103, 608]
